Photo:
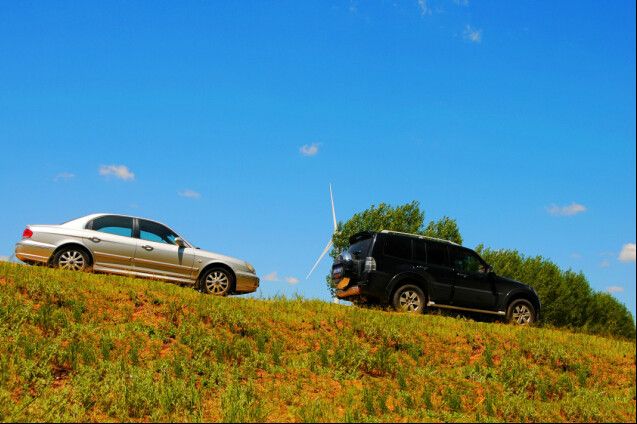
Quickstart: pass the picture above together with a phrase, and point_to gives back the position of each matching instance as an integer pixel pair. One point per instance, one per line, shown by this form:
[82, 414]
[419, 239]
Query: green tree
[407, 218]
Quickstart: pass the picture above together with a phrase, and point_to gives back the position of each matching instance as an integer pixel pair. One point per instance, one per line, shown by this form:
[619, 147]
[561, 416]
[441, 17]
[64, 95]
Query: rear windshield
[360, 249]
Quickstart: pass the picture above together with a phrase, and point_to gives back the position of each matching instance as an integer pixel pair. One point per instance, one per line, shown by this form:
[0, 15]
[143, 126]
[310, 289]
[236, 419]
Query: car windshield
[360, 248]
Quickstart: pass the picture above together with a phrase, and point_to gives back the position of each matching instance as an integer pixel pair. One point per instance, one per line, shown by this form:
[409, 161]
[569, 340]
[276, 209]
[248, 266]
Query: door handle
[95, 239]
[462, 275]
[147, 247]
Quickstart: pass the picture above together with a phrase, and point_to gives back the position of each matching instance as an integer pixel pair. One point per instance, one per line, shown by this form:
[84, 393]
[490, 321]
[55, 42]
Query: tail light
[370, 264]
[27, 233]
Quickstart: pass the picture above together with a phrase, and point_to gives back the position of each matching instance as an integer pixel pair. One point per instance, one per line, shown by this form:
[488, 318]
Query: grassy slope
[77, 346]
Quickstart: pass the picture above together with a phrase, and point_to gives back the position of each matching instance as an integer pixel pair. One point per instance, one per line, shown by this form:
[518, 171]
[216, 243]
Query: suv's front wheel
[409, 298]
[521, 312]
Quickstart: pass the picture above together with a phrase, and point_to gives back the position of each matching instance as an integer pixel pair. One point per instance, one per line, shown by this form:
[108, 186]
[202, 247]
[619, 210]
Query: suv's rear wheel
[71, 258]
[409, 298]
[521, 312]
[217, 281]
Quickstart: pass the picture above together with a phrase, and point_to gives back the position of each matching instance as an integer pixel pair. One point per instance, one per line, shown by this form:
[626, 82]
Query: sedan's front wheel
[217, 281]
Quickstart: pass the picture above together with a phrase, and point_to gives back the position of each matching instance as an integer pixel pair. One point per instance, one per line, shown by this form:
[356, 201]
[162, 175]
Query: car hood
[512, 282]
[205, 254]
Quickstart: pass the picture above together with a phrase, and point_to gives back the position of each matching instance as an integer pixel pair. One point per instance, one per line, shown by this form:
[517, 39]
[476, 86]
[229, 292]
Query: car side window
[437, 254]
[466, 261]
[118, 225]
[158, 233]
[420, 250]
[397, 246]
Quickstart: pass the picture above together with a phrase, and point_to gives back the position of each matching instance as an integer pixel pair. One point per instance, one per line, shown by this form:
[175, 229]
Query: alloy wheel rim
[217, 282]
[410, 301]
[521, 315]
[72, 260]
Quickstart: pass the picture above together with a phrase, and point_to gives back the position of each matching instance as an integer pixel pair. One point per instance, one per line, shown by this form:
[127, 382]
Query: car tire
[216, 281]
[409, 298]
[71, 258]
[521, 312]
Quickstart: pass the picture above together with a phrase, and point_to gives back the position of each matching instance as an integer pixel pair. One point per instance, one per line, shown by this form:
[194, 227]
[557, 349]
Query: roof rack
[419, 236]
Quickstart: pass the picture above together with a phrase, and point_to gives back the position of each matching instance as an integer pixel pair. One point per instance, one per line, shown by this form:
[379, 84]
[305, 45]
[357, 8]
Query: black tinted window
[420, 250]
[398, 246]
[153, 231]
[465, 260]
[118, 225]
[360, 248]
[437, 254]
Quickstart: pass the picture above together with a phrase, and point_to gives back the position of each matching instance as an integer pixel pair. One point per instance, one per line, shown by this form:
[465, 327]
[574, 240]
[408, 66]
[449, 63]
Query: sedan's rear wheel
[217, 281]
[72, 259]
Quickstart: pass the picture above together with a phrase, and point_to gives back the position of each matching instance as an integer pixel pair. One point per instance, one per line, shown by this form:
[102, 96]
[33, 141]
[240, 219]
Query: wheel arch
[219, 265]
[75, 244]
[525, 295]
[407, 277]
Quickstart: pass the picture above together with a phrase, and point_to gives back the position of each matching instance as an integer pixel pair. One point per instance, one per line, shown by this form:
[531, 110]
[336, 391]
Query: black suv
[413, 272]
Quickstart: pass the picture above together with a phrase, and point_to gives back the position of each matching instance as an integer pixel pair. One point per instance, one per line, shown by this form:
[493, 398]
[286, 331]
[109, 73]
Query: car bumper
[349, 292]
[246, 282]
[33, 251]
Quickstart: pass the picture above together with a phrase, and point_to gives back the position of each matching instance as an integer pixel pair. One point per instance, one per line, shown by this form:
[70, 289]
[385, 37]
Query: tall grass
[85, 347]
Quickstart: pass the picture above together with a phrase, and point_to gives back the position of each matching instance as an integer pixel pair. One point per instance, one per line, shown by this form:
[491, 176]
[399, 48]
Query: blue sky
[227, 121]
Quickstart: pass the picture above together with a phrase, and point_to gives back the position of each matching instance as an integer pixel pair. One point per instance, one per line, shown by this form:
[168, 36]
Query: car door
[434, 259]
[473, 287]
[158, 254]
[110, 240]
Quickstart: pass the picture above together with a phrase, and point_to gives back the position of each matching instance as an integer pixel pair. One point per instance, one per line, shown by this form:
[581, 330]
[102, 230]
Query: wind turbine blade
[327, 248]
[333, 212]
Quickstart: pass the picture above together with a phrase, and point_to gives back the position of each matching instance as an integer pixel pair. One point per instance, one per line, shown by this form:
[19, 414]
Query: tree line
[567, 297]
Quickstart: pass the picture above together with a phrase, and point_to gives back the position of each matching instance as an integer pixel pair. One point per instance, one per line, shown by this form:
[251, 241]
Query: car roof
[366, 234]
[81, 221]
[420, 236]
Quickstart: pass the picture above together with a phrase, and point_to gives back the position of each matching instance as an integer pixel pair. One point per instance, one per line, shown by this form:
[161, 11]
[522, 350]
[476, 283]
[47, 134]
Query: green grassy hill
[84, 347]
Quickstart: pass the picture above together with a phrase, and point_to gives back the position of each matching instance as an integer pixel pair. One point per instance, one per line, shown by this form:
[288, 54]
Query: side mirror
[180, 242]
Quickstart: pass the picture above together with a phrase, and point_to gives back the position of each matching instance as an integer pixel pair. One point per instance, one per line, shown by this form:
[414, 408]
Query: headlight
[250, 268]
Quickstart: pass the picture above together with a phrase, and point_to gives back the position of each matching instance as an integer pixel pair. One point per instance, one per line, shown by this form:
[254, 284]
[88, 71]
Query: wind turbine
[329, 245]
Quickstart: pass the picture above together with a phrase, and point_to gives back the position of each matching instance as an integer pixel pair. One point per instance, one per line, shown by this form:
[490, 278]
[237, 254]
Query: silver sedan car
[133, 246]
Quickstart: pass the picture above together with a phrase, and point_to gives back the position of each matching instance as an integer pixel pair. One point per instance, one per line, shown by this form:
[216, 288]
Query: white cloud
[273, 276]
[120, 171]
[291, 280]
[628, 253]
[424, 9]
[65, 176]
[191, 194]
[472, 34]
[4, 259]
[614, 289]
[309, 149]
[576, 255]
[569, 210]
[605, 263]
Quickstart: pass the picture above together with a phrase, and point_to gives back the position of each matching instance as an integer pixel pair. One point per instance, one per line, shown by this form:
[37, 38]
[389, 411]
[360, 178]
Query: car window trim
[89, 225]
[137, 232]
